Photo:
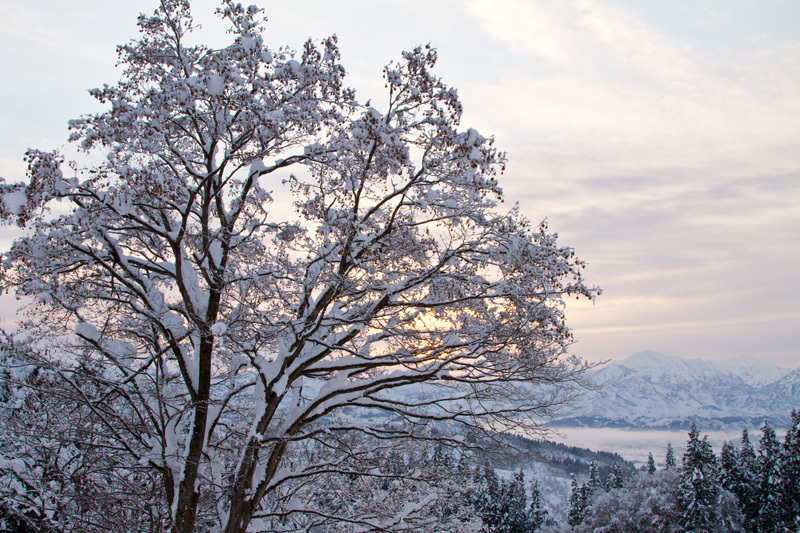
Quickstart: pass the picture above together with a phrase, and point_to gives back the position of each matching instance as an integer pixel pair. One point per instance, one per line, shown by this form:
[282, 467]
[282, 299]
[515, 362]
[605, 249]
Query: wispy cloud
[672, 164]
[625, 91]
[661, 139]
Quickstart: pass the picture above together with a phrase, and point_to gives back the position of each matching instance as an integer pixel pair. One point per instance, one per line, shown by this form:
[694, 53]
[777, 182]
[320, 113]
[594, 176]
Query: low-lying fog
[635, 444]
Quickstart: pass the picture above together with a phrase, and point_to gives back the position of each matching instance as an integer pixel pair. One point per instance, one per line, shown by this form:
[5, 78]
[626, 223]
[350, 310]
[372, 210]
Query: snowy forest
[254, 303]
[743, 490]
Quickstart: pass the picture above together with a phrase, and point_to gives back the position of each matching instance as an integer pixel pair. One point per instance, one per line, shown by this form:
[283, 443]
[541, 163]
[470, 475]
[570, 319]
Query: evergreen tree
[536, 512]
[746, 482]
[578, 501]
[651, 464]
[729, 474]
[485, 497]
[593, 485]
[503, 505]
[698, 488]
[770, 491]
[790, 471]
[514, 515]
[615, 478]
[669, 462]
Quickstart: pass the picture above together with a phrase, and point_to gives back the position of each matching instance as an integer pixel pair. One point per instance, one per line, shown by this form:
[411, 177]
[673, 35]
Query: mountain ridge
[653, 390]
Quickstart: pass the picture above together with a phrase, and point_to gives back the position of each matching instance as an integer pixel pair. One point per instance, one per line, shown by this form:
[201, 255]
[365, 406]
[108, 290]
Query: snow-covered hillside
[650, 389]
[753, 371]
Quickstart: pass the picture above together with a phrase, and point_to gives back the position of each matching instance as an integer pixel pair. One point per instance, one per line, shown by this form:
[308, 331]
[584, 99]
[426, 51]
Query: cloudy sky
[660, 139]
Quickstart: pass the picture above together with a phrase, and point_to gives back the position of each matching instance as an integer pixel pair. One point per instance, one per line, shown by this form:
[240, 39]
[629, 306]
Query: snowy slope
[650, 389]
[753, 371]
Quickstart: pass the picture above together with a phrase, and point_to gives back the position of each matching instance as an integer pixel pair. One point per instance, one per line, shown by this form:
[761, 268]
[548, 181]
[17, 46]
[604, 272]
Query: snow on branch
[263, 278]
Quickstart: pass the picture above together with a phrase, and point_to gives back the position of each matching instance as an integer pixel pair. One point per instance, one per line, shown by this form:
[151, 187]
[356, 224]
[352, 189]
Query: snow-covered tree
[731, 519]
[650, 503]
[485, 496]
[699, 489]
[234, 346]
[645, 504]
[536, 511]
[651, 464]
[421, 494]
[669, 459]
[729, 475]
[582, 497]
[615, 479]
[790, 472]
[578, 502]
[516, 516]
[593, 484]
[503, 505]
[61, 469]
[746, 481]
[770, 488]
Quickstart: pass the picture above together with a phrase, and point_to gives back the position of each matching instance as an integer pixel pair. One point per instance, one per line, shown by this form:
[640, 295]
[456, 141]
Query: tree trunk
[188, 497]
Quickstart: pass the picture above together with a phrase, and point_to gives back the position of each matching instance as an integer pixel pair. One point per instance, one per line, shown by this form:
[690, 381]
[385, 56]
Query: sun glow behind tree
[222, 347]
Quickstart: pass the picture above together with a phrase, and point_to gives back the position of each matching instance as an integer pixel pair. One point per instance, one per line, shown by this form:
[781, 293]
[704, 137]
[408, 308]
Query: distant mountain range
[653, 390]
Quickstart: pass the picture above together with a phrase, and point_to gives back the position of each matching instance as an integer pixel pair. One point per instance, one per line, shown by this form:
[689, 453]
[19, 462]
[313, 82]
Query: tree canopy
[257, 281]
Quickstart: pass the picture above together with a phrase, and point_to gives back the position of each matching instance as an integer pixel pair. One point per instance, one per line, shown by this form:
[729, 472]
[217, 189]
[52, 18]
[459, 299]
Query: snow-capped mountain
[650, 389]
[753, 371]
